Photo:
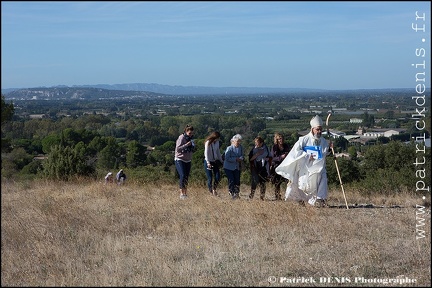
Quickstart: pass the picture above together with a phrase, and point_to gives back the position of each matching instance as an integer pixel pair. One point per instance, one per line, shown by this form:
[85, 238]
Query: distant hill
[152, 89]
[75, 93]
[148, 87]
[196, 90]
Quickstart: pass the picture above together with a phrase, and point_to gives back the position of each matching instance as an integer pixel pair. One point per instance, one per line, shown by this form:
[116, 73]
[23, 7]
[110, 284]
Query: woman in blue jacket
[232, 165]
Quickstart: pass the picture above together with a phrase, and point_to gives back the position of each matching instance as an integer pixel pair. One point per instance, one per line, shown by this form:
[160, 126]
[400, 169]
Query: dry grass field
[91, 234]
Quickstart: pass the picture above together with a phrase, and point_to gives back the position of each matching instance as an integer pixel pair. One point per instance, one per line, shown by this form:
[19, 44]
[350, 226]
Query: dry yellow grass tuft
[91, 234]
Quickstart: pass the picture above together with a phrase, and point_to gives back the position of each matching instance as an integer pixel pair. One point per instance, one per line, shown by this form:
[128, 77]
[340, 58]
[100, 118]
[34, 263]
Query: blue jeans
[233, 181]
[183, 169]
[209, 173]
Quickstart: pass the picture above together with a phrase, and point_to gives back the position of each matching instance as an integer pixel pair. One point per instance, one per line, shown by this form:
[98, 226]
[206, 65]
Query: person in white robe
[305, 167]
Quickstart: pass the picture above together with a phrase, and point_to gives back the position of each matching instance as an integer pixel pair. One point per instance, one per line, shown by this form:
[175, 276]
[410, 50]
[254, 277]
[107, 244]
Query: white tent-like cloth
[307, 178]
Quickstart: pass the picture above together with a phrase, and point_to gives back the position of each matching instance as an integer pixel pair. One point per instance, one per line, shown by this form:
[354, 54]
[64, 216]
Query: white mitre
[316, 121]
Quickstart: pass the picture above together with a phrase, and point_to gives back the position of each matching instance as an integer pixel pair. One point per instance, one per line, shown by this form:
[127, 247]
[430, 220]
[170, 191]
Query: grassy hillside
[91, 234]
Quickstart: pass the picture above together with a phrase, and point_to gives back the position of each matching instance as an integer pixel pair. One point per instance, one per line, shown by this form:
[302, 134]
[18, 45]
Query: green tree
[389, 114]
[388, 167]
[352, 151]
[7, 110]
[368, 120]
[109, 156]
[34, 167]
[169, 125]
[168, 146]
[135, 154]
[14, 161]
[96, 145]
[83, 166]
[64, 163]
[348, 169]
[49, 141]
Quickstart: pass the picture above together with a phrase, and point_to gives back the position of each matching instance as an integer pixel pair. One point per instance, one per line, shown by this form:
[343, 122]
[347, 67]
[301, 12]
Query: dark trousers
[277, 180]
[233, 181]
[258, 180]
[215, 171]
[183, 169]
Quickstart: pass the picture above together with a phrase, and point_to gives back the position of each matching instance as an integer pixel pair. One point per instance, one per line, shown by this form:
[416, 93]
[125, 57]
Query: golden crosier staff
[334, 156]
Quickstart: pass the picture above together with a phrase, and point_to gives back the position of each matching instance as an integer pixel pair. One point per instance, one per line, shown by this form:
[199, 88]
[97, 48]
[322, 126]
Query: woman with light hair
[212, 161]
[232, 165]
[280, 150]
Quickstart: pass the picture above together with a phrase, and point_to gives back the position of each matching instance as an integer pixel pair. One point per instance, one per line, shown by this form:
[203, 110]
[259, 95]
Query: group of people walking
[300, 166]
[120, 177]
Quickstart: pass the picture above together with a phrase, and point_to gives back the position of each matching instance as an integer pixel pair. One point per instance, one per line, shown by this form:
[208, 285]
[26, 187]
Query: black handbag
[217, 163]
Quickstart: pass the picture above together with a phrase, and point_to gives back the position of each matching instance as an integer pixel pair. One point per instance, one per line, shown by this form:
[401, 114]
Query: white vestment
[308, 178]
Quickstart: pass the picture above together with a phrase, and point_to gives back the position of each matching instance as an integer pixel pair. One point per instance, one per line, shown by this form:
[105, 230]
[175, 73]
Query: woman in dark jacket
[260, 159]
[280, 150]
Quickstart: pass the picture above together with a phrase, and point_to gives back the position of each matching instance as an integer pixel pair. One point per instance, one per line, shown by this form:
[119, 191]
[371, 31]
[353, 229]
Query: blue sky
[323, 45]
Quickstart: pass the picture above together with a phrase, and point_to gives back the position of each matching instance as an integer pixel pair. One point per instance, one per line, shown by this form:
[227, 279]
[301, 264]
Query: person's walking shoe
[252, 193]
[183, 196]
[214, 192]
[320, 203]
